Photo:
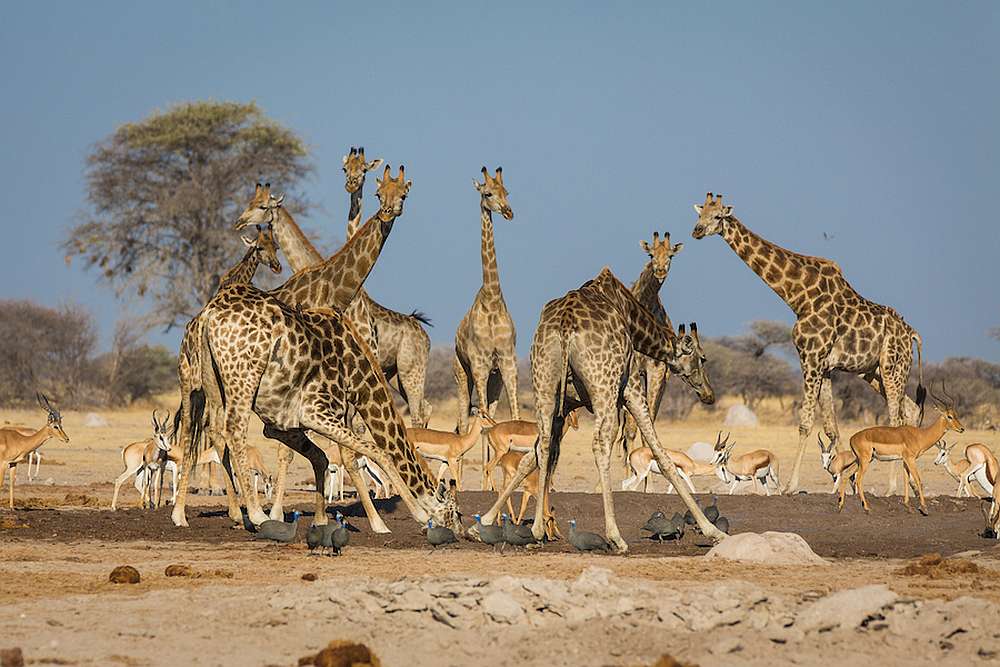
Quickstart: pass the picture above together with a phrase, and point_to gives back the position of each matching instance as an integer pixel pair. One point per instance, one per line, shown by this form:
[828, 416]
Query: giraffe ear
[697, 209]
[727, 211]
[345, 159]
[247, 242]
[478, 185]
[677, 248]
[374, 164]
[645, 246]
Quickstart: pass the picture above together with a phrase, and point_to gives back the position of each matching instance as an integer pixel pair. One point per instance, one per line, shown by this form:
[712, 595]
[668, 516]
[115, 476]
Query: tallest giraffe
[836, 328]
[485, 339]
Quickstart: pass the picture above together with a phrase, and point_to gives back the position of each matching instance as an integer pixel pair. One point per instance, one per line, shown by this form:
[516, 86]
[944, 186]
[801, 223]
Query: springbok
[446, 447]
[642, 463]
[145, 459]
[334, 482]
[759, 466]
[979, 464]
[993, 515]
[529, 487]
[906, 443]
[837, 463]
[516, 435]
[15, 444]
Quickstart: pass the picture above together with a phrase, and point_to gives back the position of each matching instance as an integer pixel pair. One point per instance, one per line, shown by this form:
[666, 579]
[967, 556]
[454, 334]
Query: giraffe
[653, 374]
[583, 348]
[485, 339]
[334, 282]
[836, 328]
[262, 249]
[302, 370]
[403, 345]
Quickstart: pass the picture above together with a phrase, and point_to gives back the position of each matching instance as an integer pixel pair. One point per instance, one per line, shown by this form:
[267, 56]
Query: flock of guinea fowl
[623, 349]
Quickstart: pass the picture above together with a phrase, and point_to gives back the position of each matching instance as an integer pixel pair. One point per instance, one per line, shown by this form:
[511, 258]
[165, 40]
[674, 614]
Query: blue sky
[876, 123]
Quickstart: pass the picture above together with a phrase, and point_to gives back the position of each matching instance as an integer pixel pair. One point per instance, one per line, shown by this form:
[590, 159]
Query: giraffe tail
[921, 390]
[558, 419]
[419, 316]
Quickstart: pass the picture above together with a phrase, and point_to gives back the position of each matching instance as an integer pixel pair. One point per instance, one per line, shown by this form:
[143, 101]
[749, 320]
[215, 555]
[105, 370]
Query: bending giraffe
[334, 282]
[836, 328]
[403, 345]
[580, 354]
[486, 338]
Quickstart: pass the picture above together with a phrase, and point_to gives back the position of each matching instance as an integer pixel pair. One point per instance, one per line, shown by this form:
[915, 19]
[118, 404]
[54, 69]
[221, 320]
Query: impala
[15, 444]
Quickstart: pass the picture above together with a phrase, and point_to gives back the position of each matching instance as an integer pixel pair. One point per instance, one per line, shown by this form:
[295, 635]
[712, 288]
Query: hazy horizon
[862, 132]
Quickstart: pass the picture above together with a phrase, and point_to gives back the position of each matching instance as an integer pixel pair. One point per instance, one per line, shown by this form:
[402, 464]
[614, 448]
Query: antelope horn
[156, 424]
[48, 406]
[38, 397]
[948, 396]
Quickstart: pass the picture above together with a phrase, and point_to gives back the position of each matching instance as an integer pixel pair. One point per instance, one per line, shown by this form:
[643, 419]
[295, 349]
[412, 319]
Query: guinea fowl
[439, 535]
[492, 535]
[660, 527]
[712, 511]
[584, 541]
[339, 536]
[279, 531]
[514, 535]
[679, 523]
[315, 536]
[722, 523]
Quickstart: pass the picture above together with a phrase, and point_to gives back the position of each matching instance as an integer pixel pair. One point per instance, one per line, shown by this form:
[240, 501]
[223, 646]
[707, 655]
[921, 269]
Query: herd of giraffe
[316, 356]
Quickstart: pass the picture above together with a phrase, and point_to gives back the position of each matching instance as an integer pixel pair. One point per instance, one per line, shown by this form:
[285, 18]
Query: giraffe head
[355, 168]
[391, 194]
[689, 363]
[493, 193]
[660, 253]
[712, 215]
[266, 247]
[445, 507]
[262, 209]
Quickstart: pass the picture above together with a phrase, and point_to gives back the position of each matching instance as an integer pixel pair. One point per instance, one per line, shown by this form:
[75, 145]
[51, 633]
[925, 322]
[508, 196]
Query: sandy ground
[249, 605]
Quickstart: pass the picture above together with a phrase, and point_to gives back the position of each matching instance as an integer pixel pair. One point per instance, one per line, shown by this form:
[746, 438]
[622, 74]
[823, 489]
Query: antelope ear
[697, 209]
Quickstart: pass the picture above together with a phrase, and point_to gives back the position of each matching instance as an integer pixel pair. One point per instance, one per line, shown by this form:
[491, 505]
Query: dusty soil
[952, 525]
[238, 601]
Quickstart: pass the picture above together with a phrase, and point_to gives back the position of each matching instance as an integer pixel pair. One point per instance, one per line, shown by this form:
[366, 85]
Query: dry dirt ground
[248, 604]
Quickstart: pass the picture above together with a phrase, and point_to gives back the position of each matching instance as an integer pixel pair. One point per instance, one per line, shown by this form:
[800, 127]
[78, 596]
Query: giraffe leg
[828, 410]
[508, 369]
[298, 441]
[636, 404]
[285, 456]
[463, 383]
[236, 417]
[411, 380]
[811, 383]
[232, 498]
[528, 465]
[605, 429]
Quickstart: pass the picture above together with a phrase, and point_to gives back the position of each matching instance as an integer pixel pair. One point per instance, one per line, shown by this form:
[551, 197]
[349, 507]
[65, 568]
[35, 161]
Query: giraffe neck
[243, 272]
[335, 282]
[300, 252]
[788, 273]
[647, 290]
[354, 215]
[491, 276]
[649, 337]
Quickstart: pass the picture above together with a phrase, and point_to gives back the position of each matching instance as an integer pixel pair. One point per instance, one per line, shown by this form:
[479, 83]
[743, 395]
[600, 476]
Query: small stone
[502, 608]
[345, 654]
[845, 609]
[124, 574]
[411, 600]
[11, 657]
[309, 576]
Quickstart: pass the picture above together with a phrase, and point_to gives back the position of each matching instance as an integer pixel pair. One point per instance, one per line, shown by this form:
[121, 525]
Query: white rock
[740, 415]
[592, 579]
[701, 451]
[94, 420]
[771, 548]
[845, 609]
[502, 608]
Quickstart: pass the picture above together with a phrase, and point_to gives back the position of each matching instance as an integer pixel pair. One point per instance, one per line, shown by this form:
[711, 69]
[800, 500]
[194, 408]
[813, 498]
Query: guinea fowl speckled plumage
[279, 531]
[492, 535]
[339, 536]
[661, 528]
[712, 511]
[439, 535]
[722, 523]
[513, 536]
[584, 541]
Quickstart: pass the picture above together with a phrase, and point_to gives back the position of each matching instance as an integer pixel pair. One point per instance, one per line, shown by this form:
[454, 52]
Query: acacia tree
[163, 195]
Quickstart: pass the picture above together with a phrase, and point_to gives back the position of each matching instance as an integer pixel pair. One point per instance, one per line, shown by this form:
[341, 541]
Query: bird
[679, 523]
[315, 536]
[279, 531]
[689, 518]
[515, 535]
[439, 535]
[660, 527]
[339, 536]
[584, 541]
[492, 535]
[722, 523]
[712, 511]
